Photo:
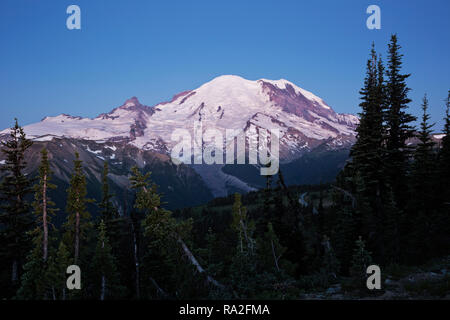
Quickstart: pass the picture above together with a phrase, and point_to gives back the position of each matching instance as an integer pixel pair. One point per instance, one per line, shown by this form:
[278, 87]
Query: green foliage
[78, 218]
[33, 280]
[147, 198]
[43, 205]
[442, 218]
[399, 123]
[270, 250]
[57, 267]
[243, 227]
[367, 152]
[360, 261]
[108, 211]
[423, 175]
[330, 263]
[106, 282]
[37, 278]
[15, 217]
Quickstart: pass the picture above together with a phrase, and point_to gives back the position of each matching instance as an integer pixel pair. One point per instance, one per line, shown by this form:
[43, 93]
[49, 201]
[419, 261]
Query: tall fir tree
[398, 124]
[442, 219]
[366, 153]
[398, 152]
[244, 262]
[15, 217]
[107, 210]
[146, 202]
[43, 205]
[421, 206]
[271, 250]
[330, 263]
[361, 259]
[164, 235]
[35, 280]
[78, 218]
[424, 164]
[243, 226]
[106, 280]
[57, 276]
[444, 156]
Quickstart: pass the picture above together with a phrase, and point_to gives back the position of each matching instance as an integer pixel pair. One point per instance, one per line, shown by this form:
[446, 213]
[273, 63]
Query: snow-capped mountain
[308, 129]
[227, 102]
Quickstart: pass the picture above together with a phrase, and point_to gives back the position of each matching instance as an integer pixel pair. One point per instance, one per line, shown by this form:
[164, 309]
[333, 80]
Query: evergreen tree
[366, 153]
[271, 250]
[367, 170]
[423, 165]
[360, 261]
[57, 272]
[33, 279]
[390, 231]
[345, 231]
[42, 203]
[146, 202]
[213, 255]
[164, 238]
[118, 226]
[444, 157]
[107, 284]
[442, 219]
[243, 266]
[420, 209]
[147, 197]
[330, 263]
[242, 226]
[108, 211]
[398, 121]
[15, 217]
[78, 218]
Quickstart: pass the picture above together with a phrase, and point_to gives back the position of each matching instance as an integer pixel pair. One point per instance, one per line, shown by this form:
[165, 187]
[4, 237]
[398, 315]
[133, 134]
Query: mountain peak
[132, 102]
[228, 77]
[227, 80]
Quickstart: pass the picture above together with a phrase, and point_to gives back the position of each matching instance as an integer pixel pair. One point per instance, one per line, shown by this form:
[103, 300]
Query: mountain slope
[179, 185]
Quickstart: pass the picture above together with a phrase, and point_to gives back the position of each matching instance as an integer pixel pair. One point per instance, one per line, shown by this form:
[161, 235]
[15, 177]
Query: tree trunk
[102, 294]
[44, 218]
[77, 236]
[14, 275]
[197, 265]
[247, 238]
[136, 259]
[275, 256]
[347, 194]
[160, 291]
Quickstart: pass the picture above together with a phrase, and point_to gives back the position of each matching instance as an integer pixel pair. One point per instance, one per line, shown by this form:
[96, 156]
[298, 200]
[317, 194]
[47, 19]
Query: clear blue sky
[154, 49]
